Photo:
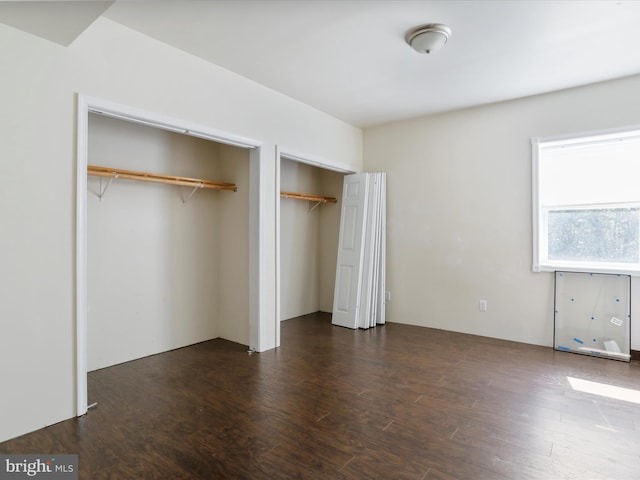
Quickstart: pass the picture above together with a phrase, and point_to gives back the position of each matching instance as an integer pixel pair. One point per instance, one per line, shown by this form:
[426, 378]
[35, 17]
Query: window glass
[594, 235]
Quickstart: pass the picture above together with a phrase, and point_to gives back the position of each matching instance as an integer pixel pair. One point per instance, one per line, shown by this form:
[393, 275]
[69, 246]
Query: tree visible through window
[587, 202]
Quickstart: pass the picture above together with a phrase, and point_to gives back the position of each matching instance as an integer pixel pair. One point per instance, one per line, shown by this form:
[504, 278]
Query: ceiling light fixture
[428, 38]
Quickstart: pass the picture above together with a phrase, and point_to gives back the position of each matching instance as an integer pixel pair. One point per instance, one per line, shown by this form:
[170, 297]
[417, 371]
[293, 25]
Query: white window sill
[582, 268]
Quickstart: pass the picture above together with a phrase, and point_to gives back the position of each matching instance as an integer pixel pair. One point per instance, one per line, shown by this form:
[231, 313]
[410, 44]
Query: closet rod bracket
[103, 190]
[311, 209]
[197, 187]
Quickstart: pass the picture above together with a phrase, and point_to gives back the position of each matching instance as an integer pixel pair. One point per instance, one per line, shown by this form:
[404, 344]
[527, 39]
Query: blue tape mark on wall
[577, 340]
[565, 349]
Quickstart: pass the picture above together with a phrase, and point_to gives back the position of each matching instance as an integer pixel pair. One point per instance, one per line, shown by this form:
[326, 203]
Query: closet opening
[307, 229]
[164, 250]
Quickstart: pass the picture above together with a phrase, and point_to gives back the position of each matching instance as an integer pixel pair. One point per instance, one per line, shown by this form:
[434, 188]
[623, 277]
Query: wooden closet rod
[311, 198]
[158, 178]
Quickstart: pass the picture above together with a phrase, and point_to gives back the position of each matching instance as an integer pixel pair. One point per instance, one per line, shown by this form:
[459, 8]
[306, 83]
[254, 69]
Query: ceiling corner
[59, 22]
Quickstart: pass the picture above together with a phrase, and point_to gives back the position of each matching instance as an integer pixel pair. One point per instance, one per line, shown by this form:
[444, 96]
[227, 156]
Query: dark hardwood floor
[394, 402]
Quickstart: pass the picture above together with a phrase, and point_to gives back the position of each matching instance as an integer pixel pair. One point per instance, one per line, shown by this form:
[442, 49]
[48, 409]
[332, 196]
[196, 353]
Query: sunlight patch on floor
[604, 390]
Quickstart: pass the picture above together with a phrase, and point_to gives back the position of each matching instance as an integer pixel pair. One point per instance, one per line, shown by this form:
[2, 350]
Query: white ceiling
[348, 58]
[60, 22]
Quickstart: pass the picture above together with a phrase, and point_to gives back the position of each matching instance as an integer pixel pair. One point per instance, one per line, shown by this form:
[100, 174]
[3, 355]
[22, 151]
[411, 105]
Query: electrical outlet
[482, 305]
[387, 296]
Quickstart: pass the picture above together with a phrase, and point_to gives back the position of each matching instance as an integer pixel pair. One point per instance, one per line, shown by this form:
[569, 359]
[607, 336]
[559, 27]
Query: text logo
[46, 466]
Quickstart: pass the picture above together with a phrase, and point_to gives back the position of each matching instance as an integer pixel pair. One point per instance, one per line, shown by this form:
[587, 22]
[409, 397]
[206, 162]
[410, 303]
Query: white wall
[40, 81]
[459, 209]
[163, 274]
[308, 240]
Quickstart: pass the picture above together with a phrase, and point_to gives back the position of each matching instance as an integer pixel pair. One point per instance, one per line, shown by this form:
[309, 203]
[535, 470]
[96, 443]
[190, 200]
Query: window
[586, 202]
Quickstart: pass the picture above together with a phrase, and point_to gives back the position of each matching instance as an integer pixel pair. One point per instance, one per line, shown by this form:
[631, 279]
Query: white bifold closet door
[358, 300]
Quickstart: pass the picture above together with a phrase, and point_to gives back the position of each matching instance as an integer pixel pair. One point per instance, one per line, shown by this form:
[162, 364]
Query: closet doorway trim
[86, 105]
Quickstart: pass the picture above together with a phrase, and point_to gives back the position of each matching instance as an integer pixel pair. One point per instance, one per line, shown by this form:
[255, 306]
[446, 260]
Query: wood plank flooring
[394, 402]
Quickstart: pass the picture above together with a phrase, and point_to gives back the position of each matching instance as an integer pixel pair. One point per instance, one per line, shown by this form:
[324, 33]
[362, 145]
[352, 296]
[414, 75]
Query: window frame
[540, 258]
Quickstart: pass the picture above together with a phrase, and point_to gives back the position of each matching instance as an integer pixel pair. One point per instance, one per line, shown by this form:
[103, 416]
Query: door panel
[350, 226]
[347, 293]
[370, 253]
[380, 310]
[342, 303]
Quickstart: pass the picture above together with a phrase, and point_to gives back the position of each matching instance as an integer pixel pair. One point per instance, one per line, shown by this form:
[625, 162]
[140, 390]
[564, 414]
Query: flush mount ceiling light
[428, 38]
